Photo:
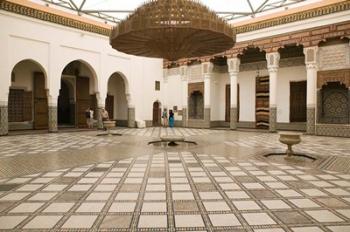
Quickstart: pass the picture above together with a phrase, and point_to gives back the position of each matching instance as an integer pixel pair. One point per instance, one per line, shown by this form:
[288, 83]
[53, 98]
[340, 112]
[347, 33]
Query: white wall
[54, 46]
[174, 94]
[285, 76]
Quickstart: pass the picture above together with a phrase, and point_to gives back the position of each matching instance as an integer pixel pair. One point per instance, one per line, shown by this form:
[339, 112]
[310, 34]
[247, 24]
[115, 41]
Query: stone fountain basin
[289, 138]
[109, 124]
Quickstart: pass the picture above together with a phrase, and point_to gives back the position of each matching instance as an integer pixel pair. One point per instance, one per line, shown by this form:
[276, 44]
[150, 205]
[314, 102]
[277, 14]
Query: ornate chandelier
[172, 29]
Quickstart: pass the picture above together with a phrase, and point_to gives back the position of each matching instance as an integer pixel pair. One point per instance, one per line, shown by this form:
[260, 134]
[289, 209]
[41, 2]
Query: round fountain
[171, 140]
[109, 124]
[290, 138]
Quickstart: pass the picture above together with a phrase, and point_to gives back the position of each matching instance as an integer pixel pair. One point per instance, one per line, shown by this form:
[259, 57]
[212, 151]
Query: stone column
[207, 69]
[53, 101]
[311, 77]
[272, 66]
[131, 111]
[233, 69]
[4, 127]
[184, 83]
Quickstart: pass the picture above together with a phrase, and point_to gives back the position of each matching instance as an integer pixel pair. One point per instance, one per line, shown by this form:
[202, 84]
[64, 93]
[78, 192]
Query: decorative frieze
[53, 18]
[320, 11]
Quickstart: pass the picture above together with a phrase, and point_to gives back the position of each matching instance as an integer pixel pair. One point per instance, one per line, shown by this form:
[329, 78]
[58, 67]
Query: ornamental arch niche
[27, 101]
[77, 93]
[334, 103]
[116, 102]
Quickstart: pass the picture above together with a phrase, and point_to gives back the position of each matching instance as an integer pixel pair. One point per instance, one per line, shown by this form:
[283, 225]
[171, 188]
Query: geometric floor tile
[80, 221]
[189, 221]
[324, 216]
[258, 219]
[42, 222]
[224, 220]
[10, 222]
[152, 221]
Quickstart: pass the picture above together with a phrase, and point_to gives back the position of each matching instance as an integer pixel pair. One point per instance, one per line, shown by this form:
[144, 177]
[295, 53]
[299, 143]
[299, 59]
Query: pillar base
[233, 118]
[184, 117]
[273, 119]
[207, 117]
[310, 121]
[53, 119]
[99, 118]
[131, 117]
[4, 126]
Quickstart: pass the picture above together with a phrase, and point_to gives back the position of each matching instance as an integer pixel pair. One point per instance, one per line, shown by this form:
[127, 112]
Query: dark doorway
[297, 107]
[196, 105]
[65, 108]
[156, 114]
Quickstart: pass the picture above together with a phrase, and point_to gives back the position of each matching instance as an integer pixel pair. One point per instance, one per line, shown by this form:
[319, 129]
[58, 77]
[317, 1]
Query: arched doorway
[77, 93]
[156, 114]
[27, 103]
[116, 100]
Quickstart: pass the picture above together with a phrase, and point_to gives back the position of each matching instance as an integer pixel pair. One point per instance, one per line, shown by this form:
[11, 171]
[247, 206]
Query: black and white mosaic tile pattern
[178, 191]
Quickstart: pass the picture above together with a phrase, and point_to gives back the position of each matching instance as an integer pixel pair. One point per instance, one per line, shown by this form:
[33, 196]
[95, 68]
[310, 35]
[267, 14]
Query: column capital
[272, 69]
[233, 65]
[273, 59]
[207, 68]
[311, 66]
[311, 54]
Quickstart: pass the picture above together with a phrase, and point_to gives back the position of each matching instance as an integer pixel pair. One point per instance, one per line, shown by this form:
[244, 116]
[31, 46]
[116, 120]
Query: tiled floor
[213, 187]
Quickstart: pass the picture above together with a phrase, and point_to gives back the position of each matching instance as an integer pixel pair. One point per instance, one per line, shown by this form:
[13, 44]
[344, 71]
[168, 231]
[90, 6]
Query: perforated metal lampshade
[172, 29]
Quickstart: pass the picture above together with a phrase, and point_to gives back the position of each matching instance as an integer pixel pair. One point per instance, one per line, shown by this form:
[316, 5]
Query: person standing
[171, 119]
[165, 117]
[104, 116]
[88, 117]
[91, 118]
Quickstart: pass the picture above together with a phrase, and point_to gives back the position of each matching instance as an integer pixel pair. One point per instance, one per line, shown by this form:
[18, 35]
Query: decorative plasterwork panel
[195, 74]
[342, 76]
[334, 57]
[173, 71]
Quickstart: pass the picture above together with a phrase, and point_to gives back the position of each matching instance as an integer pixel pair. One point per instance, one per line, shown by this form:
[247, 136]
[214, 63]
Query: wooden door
[83, 100]
[41, 109]
[297, 107]
[110, 105]
[228, 103]
[156, 114]
[262, 109]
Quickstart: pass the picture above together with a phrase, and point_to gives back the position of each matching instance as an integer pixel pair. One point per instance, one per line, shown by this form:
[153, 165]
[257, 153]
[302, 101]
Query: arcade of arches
[28, 97]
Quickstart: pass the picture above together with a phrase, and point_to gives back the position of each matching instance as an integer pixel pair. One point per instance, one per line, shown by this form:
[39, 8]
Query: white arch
[37, 64]
[125, 79]
[91, 69]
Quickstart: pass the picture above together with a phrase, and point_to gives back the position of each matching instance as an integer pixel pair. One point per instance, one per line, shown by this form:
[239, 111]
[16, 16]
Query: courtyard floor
[80, 182]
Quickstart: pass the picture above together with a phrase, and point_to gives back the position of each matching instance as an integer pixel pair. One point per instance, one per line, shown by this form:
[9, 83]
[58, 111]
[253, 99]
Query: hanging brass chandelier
[172, 29]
